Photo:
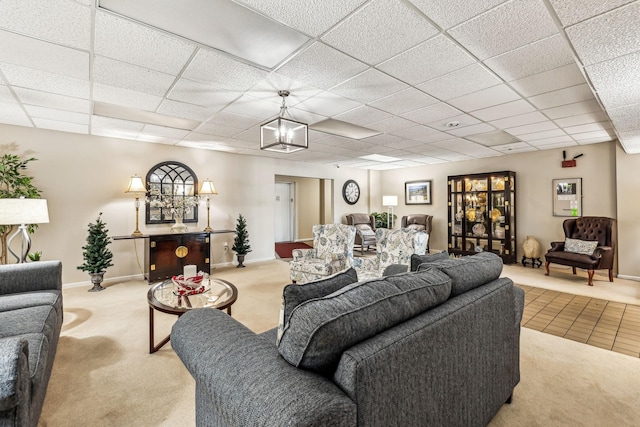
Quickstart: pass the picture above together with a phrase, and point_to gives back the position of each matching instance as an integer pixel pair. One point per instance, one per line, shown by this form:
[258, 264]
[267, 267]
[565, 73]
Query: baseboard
[624, 276]
[105, 281]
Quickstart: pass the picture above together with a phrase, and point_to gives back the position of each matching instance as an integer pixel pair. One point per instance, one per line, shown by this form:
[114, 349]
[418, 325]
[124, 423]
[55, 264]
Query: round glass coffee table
[163, 296]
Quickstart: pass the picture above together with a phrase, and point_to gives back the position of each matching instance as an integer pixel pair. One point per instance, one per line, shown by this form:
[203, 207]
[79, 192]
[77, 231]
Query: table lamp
[136, 185]
[22, 212]
[208, 189]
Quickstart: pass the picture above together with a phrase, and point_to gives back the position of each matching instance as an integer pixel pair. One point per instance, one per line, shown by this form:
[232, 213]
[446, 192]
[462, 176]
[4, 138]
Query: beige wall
[307, 206]
[627, 172]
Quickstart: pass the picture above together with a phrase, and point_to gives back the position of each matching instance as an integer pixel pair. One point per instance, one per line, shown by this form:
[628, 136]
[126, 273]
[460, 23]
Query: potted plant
[97, 257]
[241, 243]
[380, 219]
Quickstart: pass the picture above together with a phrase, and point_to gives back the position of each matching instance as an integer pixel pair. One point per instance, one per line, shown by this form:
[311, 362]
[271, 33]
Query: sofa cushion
[585, 247]
[38, 319]
[416, 259]
[319, 330]
[469, 272]
[294, 294]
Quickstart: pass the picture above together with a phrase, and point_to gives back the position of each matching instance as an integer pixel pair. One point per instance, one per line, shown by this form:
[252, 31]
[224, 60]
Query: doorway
[284, 211]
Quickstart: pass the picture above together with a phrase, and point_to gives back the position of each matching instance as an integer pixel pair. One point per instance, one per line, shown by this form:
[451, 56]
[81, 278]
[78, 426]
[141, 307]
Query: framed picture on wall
[567, 197]
[417, 192]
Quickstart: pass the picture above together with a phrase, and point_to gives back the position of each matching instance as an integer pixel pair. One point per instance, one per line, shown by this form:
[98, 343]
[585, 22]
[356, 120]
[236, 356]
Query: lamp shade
[136, 185]
[23, 211]
[208, 187]
[389, 200]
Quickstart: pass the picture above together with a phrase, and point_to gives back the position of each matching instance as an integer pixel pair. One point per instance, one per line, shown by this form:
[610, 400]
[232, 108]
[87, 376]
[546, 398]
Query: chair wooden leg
[574, 270]
[546, 266]
[590, 274]
[611, 274]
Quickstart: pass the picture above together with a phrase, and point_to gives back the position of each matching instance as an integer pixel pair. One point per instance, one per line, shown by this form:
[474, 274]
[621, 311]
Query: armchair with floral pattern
[393, 247]
[332, 253]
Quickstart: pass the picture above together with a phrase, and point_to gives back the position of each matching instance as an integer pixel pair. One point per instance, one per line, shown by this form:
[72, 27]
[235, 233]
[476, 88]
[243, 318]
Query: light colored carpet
[104, 376]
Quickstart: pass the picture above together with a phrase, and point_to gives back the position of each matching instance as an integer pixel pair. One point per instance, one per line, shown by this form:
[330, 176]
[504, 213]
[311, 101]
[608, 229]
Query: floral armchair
[393, 247]
[332, 253]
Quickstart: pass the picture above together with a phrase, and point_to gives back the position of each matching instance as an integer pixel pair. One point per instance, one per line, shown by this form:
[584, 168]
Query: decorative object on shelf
[172, 192]
[190, 285]
[241, 242]
[471, 214]
[498, 232]
[478, 229]
[351, 192]
[96, 254]
[284, 135]
[390, 202]
[174, 203]
[207, 190]
[137, 187]
[495, 214]
[531, 250]
[23, 213]
[417, 192]
[567, 197]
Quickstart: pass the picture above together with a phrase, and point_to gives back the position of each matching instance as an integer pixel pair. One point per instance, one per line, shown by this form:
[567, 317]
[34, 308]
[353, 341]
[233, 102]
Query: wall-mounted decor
[567, 197]
[417, 192]
[172, 194]
[351, 192]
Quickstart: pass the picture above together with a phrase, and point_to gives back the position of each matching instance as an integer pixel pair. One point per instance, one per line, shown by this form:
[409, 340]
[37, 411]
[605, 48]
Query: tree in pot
[241, 243]
[97, 257]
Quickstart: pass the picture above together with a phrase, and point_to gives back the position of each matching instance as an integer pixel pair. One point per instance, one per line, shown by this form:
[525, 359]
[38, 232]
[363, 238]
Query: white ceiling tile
[114, 133]
[617, 79]
[485, 98]
[454, 157]
[6, 95]
[572, 109]
[607, 36]
[555, 133]
[322, 67]
[14, 115]
[60, 21]
[432, 113]
[595, 140]
[51, 100]
[516, 147]
[420, 133]
[50, 57]
[404, 101]
[217, 69]
[553, 143]
[513, 24]
[594, 117]
[507, 109]
[563, 96]
[452, 12]
[185, 111]
[626, 118]
[164, 131]
[391, 124]
[494, 139]
[268, 89]
[383, 139]
[431, 59]
[521, 120]
[605, 135]
[253, 107]
[58, 115]
[306, 116]
[558, 78]
[327, 104]
[460, 82]
[115, 73]
[213, 131]
[61, 126]
[137, 44]
[573, 11]
[157, 139]
[363, 115]
[203, 95]
[590, 127]
[530, 128]
[44, 81]
[128, 98]
[101, 122]
[471, 130]
[463, 120]
[370, 36]
[309, 16]
[369, 86]
[534, 58]
[224, 118]
[430, 160]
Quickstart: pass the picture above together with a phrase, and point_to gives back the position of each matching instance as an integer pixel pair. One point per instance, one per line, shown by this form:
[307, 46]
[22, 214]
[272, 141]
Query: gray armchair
[419, 222]
[365, 225]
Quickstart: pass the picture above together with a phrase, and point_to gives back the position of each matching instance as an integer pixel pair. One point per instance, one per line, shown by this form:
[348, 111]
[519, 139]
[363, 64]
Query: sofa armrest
[302, 254]
[556, 246]
[14, 372]
[33, 276]
[518, 298]
[601, 251]
[245, 377]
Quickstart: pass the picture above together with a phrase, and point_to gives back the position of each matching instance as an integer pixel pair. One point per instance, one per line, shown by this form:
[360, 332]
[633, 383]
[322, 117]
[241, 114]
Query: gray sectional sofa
[434, 347]
[30, 324]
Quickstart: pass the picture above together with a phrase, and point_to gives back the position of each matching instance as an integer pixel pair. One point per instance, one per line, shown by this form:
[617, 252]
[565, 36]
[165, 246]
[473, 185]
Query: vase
[178, 226]
[240, 261]
[96, 279]
[531, 247]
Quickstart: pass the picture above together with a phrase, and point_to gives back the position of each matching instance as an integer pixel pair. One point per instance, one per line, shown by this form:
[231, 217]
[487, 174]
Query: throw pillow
[468, 272]
[577, 246]
[293, 294]
[321, 329]
[416, 260]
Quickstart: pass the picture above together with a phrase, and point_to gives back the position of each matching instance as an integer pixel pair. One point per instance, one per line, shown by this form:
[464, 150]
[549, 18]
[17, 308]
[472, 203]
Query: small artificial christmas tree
[97, 257]
[241, 243]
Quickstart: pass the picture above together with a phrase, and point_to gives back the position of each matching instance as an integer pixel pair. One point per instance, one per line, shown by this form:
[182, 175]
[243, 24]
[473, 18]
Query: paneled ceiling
[440, 81]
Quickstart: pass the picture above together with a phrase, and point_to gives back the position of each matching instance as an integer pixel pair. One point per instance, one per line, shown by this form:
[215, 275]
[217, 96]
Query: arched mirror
[172, 191]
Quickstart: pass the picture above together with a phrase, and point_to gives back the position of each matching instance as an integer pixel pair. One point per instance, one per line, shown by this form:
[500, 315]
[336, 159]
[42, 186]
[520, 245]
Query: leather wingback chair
[420, 222]
[587, 229]
[365, 230]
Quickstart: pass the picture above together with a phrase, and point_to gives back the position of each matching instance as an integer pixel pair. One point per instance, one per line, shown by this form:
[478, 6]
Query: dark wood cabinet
[482, 214]
[167, 254]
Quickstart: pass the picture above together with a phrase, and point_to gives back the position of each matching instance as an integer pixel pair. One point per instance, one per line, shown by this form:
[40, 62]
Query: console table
[165, 255]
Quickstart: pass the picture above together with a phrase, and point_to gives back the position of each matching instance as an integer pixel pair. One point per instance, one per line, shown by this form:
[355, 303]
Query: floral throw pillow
[585, 247]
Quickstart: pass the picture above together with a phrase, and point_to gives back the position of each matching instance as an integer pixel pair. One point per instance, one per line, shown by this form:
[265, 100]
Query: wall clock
[351, 192]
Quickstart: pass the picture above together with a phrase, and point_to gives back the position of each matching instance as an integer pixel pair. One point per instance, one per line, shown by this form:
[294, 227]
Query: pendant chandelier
[284, 135]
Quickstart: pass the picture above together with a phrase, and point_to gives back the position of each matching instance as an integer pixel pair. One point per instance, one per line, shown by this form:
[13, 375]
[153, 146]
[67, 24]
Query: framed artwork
[567, 197]
[417, 192]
